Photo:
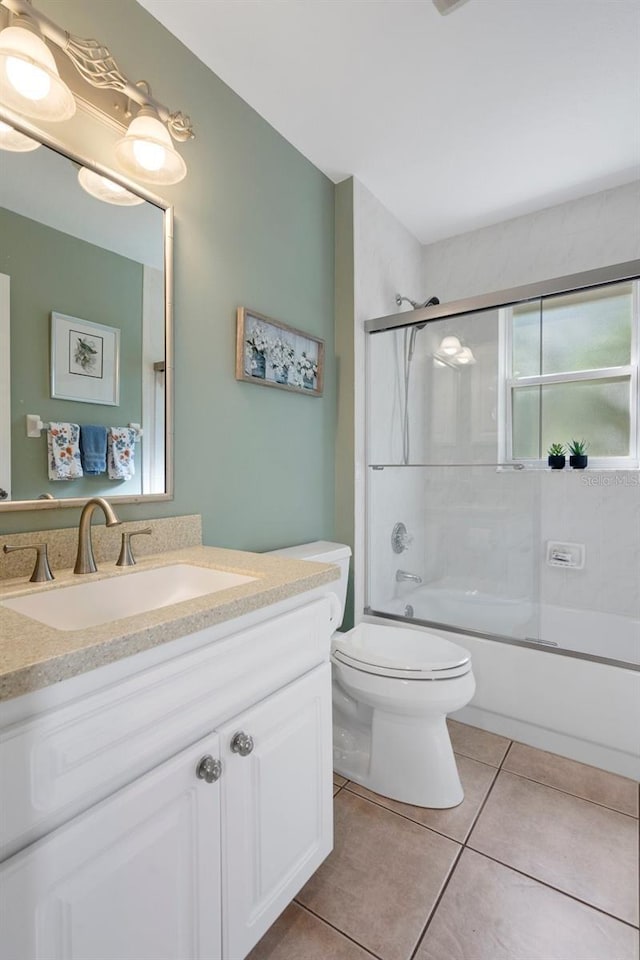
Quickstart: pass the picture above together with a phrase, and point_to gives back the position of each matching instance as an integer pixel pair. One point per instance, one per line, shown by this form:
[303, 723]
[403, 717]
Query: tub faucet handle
[401, 539]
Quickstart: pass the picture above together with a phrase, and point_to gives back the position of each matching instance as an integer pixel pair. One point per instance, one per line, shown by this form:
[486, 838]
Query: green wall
[52, 271]
[253, 227]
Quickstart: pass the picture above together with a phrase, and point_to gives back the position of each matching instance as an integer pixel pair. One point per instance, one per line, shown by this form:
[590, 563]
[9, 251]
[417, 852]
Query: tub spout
[404, 575]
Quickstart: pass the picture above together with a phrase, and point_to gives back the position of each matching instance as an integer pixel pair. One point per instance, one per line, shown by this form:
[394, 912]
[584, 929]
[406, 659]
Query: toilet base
[391, 735]
[412, 760]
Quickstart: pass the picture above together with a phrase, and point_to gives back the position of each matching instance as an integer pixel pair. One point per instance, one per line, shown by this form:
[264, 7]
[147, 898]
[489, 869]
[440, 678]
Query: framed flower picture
[85, 361]
[273, 354]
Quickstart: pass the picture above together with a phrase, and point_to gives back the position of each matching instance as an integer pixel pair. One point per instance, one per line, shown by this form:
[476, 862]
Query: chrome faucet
[85, 561]
[402, 575]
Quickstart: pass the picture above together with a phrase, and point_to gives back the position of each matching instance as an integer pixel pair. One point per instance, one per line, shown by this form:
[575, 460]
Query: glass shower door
[452, 530]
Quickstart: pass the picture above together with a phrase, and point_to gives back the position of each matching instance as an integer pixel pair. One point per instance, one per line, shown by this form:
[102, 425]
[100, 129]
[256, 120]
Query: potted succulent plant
[557, 458]
[578, 454]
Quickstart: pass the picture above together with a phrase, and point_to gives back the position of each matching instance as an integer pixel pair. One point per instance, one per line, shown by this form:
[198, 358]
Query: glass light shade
[15, 141]
[29, 79]
[102, 188]
[147, 152]
[450, 346]
[465, 356]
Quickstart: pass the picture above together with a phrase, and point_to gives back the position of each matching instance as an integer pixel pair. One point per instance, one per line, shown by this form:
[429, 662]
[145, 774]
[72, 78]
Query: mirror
[85, 328]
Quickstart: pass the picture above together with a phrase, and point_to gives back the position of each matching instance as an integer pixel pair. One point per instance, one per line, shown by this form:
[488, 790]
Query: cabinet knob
[209, 769]
[242, 743]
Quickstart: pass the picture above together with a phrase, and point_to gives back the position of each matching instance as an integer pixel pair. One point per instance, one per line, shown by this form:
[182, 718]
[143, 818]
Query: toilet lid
[398, 651]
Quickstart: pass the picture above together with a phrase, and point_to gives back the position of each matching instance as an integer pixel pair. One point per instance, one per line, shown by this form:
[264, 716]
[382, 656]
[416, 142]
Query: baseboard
[595, 754]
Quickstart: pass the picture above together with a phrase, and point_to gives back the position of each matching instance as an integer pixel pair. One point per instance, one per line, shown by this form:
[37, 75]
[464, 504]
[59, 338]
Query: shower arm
[430, 302]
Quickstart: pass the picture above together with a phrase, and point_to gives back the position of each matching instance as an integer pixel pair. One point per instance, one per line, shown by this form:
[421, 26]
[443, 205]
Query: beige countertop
[33, 655]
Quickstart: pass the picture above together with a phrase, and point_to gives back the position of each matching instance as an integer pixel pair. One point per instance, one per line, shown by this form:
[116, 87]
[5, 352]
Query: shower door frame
[615, 273]
[571, 283]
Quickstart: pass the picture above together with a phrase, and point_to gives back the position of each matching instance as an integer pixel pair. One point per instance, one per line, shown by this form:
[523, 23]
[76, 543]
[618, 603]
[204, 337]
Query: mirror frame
[59, 147]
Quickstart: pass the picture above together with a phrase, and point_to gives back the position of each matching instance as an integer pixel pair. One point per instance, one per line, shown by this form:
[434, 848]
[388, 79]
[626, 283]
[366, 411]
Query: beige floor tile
[336, 789]
[489, 912]
[338, 780]
[572, 844]
[382, 879]
[477, 744]
[455, 822]
[297, 935]
[581, 780]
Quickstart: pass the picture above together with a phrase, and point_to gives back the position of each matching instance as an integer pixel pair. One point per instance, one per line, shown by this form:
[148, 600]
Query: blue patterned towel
[64, 452]
[121, 450]
[93, 448]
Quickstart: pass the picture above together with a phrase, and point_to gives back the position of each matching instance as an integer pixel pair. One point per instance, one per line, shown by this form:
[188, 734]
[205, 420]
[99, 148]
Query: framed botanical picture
[85, 361]
[274, 354]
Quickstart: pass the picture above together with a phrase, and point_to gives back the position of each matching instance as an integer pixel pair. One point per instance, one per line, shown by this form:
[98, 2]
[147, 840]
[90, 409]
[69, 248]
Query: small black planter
[578, 461]
[557, 461]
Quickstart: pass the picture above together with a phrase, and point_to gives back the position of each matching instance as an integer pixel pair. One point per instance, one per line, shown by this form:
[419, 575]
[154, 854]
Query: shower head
[432, 301]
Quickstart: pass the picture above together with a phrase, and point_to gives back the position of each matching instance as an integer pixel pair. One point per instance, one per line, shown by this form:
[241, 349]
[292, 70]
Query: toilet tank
[324, 551]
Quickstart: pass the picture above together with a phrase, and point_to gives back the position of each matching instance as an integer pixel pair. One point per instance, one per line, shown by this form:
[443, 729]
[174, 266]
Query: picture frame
[85, 361]
[274, 354]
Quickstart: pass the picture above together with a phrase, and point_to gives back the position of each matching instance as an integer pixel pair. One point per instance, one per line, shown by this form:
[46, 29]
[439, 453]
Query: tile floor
[539, 862]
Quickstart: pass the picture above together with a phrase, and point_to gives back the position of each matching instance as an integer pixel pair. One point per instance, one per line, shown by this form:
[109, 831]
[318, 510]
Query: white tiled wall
[480, 528]
[387, 260]
[600, 509]
[595, 231]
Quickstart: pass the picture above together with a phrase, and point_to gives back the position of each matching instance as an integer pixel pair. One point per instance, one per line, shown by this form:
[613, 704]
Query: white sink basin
[101, 601]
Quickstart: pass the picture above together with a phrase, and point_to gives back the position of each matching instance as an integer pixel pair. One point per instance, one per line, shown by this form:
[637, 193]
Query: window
[571, 372]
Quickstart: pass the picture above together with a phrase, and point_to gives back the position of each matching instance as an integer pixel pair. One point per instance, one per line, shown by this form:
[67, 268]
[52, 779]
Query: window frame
[509, 383]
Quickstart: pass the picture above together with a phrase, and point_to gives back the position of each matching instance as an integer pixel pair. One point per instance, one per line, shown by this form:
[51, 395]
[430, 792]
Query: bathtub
[581, 703]
[587, 633]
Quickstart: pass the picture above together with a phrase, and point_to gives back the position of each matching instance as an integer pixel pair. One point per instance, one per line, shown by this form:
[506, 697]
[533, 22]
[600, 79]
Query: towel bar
[35, 426]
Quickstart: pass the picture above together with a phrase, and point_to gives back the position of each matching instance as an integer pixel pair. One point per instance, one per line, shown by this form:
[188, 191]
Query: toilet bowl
[393, 687]
[407, 681]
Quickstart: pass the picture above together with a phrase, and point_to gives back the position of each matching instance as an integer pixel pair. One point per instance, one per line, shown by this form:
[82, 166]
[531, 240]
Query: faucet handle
[42, 570]
[126, 558]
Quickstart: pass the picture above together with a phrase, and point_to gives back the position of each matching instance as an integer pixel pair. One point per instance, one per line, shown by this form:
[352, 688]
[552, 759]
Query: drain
[408, 610]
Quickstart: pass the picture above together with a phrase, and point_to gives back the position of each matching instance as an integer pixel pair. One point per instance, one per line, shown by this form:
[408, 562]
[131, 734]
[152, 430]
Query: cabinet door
[276, 806]
[137, 877]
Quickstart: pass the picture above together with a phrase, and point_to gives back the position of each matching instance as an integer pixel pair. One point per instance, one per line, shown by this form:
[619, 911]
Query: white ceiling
[501, 108]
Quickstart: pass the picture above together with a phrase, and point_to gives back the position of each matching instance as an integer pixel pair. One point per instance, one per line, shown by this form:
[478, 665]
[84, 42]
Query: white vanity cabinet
[276, 807]
[187, 860]
[137, 877]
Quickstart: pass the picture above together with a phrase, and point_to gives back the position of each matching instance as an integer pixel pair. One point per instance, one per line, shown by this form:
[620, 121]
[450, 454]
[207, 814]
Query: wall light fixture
[31, 86]
[15, 141]
[102, 188]
[146, 152]
[451, 353]
[29, 79]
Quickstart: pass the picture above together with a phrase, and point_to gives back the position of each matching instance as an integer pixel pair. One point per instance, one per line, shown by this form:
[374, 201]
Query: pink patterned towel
[121, 451]
[64, 451]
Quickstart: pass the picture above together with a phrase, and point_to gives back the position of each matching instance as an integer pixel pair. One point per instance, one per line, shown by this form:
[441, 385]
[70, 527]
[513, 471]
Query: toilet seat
[401, 653]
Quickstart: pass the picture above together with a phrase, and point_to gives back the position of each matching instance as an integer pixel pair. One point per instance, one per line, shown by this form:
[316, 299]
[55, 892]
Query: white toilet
[392, 690]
